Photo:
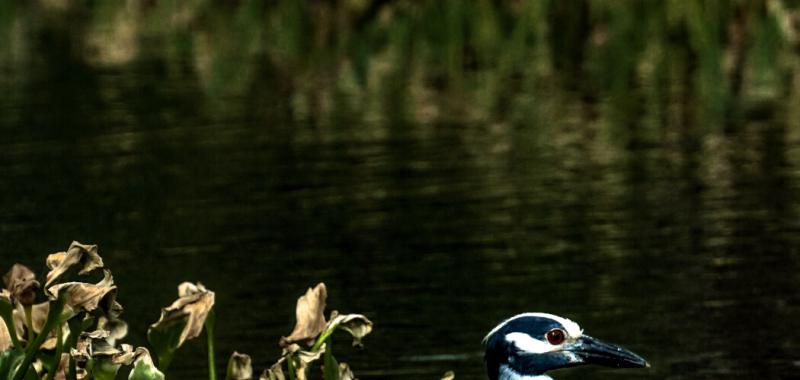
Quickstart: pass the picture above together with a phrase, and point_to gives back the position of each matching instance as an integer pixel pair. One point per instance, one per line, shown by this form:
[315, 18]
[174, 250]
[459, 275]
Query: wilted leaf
[82, 352]
[356, 324]
[310, 317]
[303, 359]
[116, 328]
[7, 318]
[240, 367]
[83, 296]
[345, 373]
[21, 283]
[273, 373]
[449, 375]
[5, 337]
[180, 321]
[38, 318]
[84, 255]
[144, 369]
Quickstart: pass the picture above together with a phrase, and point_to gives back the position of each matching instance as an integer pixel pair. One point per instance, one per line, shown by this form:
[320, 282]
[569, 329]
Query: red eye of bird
[555, 337]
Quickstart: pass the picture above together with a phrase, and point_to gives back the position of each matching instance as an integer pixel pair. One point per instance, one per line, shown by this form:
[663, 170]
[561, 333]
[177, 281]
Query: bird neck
[506, 373]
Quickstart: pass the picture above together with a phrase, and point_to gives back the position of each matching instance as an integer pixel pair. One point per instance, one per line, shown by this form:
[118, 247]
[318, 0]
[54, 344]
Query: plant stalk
[290, 367]
[29, 321]
[7, 316]
[57, 357]
[209, 324]
[322, 338]
[53, 318]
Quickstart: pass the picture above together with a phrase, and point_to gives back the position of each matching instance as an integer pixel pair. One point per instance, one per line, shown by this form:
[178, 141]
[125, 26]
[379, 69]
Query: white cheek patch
[528, 343]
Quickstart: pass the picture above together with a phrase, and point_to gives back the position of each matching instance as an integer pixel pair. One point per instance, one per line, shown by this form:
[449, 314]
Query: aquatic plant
[76, 332]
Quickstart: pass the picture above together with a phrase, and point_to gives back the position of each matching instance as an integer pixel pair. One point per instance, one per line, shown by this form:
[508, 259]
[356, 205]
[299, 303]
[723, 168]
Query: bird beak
[595, 351]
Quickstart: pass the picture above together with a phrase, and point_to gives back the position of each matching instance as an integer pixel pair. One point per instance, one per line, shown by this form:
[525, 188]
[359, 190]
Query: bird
[527, 345]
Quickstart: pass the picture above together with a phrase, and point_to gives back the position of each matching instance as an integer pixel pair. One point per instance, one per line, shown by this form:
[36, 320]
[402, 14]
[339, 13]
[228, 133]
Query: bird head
[527, 345]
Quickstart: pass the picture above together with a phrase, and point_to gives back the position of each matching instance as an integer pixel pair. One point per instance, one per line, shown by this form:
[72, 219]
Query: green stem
[53, 318]
[322, 338]
[29, 321]
[290, 367]
[72, 374]
[7, 316]
[212, 368]
[57, 357]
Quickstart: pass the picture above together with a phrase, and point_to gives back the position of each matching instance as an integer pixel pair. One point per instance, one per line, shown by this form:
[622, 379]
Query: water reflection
[436, 181]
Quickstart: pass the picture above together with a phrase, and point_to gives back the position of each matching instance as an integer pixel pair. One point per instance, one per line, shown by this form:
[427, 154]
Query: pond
[441, 166]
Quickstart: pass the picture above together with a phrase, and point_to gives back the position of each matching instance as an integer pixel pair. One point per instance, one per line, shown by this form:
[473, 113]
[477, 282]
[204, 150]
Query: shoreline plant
[77, 332]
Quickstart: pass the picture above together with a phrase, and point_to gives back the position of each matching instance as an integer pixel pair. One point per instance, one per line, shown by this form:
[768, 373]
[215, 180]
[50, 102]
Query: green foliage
[145, 371]
[104, 369]
[10, 359]
[166, 339]
[330, 367]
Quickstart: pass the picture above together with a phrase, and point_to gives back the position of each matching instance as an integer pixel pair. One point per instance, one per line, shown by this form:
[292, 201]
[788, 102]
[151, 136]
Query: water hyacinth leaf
[84, 255]
[21, 284]
[165, 338]
[310, 316]
[144, 369]
[240, 367]
[182, 320]
[85, 297]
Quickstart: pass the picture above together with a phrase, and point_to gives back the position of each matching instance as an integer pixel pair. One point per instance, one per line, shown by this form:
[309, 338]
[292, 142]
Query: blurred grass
[510, 62]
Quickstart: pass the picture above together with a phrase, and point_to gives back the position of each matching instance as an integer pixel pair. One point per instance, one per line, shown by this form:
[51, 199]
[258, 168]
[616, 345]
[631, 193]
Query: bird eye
[555, 337]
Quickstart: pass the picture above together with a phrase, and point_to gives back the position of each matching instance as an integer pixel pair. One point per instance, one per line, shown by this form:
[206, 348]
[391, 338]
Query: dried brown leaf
[310, 314]
[84, 255]
[83, 296]
[273, 373]
[63, 364]
[5, 337]
[194, 304]
[240, 367]
[21, 284]
[116, 328]
[345, 373]
[38, 318]
[125, 355]
[304, 359]
[356, 324]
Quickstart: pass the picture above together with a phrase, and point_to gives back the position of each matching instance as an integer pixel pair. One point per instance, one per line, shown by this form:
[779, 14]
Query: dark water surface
[672, 235]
